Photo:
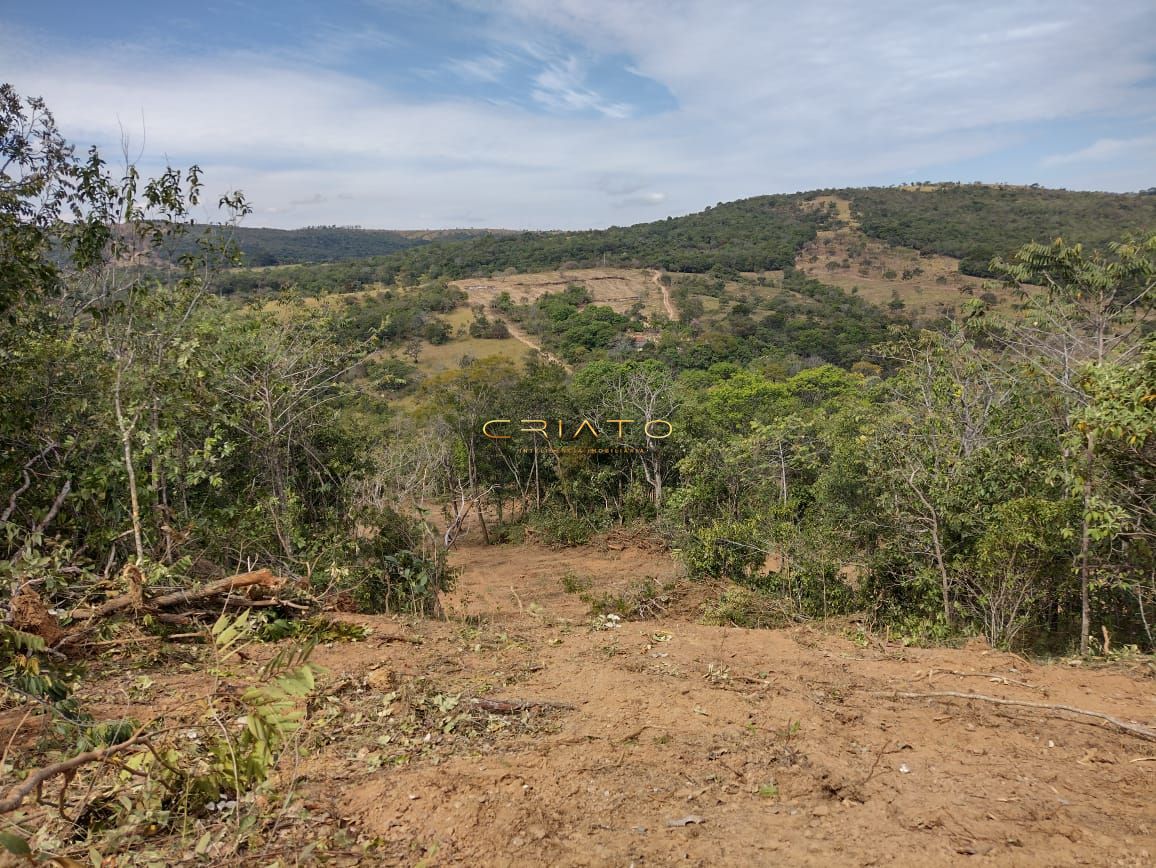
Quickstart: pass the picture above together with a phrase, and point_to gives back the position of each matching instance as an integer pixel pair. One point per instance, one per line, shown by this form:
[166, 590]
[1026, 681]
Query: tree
[457, 404]
[644, 394]
[954, 418]
[1085, 310]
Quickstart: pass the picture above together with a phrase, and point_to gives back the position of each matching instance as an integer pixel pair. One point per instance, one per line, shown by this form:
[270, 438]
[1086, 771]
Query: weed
[572, 583]
[744, 607]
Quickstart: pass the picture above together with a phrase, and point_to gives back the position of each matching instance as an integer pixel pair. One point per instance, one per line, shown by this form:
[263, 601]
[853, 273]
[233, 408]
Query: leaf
[203, 843]
[15, 845]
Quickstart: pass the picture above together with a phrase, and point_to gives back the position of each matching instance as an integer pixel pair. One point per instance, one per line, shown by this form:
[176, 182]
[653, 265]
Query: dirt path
[700, 745]
[666, 302]
[519, 335]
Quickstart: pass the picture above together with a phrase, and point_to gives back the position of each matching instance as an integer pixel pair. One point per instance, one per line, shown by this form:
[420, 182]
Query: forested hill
[748, 235]
[972, 223]
[264, 247]
[975, 222]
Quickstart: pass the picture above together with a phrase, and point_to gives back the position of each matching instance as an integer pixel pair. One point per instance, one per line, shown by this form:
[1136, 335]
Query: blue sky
[577, 113]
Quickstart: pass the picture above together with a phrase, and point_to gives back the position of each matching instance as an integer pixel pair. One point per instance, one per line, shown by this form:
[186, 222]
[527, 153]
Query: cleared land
[617, 288]
[928, 284]
[667, 741]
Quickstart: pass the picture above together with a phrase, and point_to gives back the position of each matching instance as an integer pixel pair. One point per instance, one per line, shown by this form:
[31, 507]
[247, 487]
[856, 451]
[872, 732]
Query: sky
[569, 114]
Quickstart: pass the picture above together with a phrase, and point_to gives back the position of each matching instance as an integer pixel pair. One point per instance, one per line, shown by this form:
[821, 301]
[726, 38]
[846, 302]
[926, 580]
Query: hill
[801, 279]
[764, 232]
[263, 247]
[970, 224]
[975, 222]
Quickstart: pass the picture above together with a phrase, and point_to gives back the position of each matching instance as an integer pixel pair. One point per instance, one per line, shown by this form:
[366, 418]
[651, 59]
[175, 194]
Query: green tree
[1085, 310]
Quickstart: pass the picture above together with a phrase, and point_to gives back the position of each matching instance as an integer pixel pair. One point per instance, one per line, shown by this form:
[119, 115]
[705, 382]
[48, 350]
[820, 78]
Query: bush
[564, 528]
[405, 581]
[726, 550]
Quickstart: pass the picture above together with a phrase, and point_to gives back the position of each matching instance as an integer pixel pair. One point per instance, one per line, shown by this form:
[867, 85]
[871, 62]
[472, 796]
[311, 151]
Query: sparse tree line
[146, 421]
[995, 476]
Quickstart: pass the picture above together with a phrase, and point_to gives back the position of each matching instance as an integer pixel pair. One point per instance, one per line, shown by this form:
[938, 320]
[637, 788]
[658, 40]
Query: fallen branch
[259, 578]
[1135, 729]
[993, 676]
[222, 587]
[513, 706]
[17, 794]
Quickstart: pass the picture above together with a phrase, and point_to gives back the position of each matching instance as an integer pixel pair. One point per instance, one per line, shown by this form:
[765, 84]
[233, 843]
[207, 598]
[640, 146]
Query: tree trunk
[126, 429]
[1085, 547]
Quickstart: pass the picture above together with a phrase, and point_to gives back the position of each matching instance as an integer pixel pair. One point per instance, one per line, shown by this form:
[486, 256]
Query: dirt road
[666, 302]
[668, 741]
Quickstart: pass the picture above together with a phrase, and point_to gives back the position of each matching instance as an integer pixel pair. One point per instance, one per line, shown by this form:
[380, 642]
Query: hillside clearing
[928, 285]
[666, 740]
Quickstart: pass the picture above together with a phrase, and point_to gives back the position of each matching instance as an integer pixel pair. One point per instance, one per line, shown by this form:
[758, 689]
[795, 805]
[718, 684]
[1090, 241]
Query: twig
[394, 637]
[15, 732]
[875, 765]
[55, 508]
[636, 733]
[1003, 679]
[27, 483]
[513, 706]
[1135, 729]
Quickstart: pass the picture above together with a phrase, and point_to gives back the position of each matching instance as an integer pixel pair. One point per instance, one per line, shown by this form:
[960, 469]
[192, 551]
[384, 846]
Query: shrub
[563, 528]
[724, 549]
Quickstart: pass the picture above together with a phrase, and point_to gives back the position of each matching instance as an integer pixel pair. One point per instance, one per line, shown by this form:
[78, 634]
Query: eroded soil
[665, 741]
[692, 744]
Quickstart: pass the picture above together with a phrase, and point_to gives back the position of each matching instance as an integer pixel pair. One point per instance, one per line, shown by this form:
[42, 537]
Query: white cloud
[1107, 149]
[770, 97]
[637, 199]
[488, 69]
[561, 86]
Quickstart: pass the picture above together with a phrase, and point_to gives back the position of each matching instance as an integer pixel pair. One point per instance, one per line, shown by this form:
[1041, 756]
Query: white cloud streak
[1108, 149]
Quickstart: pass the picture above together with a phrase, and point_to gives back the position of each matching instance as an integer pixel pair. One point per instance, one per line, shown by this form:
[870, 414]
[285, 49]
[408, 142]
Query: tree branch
[1144, 732]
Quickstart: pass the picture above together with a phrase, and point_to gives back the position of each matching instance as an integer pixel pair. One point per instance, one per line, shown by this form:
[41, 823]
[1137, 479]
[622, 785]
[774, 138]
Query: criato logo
[497, 429]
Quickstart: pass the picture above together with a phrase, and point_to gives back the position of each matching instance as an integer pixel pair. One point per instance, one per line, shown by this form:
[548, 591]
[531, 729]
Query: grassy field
[617, 288]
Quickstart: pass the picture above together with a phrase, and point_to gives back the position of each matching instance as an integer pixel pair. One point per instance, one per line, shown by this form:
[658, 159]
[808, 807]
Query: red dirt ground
[691, 744]
[667, 741]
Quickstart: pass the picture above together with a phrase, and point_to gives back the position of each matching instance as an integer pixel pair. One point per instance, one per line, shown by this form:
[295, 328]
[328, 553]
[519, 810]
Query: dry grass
[617, 288]
[444, 357]
[846, 258]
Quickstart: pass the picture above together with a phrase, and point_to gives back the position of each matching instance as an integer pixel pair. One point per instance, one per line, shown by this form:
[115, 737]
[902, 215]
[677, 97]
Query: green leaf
[15, 845]
[203, 844]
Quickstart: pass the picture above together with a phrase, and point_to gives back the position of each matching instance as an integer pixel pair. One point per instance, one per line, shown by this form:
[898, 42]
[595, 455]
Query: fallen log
[257, 578]
[135, 601]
